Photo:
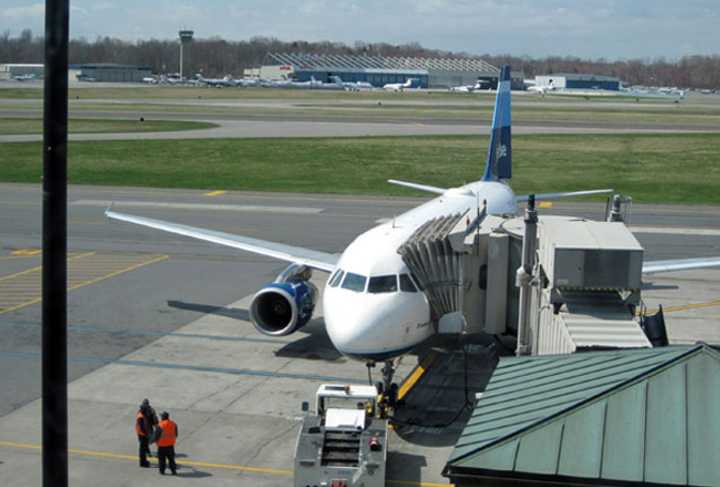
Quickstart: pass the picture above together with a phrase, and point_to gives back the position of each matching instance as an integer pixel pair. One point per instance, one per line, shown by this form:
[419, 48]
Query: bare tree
[218, 57]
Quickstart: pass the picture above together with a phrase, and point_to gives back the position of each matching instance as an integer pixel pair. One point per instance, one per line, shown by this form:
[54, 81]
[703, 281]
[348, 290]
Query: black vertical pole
[54, 279]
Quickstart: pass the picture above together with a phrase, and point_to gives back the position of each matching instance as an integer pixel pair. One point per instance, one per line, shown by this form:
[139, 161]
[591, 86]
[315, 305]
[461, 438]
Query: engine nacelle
[281, 308]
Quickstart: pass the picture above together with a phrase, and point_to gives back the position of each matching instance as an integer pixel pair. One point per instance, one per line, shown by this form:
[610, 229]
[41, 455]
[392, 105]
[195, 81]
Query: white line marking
[200, 206]
[677, 230]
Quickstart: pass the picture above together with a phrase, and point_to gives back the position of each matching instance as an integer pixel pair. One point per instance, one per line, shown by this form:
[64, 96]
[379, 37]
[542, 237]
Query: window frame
[384, 276]
[348, 274]
[415, 288]
[334, 280]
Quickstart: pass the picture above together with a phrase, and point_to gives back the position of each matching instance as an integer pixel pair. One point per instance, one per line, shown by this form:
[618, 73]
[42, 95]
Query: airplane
[373, 307]
[319, 85]
[541, 89]
[247, 82]
[171, 79]
[352, 85]
[467, 88]
[409, 83]
[24, 77]
[216, 82]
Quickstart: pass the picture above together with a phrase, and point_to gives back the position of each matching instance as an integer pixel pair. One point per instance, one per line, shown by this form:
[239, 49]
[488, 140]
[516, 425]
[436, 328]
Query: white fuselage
[379, 325]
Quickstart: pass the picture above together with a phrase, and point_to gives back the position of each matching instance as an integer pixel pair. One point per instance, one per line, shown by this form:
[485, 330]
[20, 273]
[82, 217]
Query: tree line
[218, 57]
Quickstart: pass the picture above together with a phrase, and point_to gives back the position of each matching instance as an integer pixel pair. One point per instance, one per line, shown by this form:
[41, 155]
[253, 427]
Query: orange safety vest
[139, 417]
[169, 433]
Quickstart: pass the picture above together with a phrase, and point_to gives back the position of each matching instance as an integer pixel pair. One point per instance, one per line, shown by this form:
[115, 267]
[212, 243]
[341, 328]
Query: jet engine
[286, 305]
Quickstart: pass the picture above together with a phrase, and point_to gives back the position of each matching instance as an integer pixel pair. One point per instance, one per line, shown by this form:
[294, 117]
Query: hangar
[12, 70]
[377, 70]
[111, 72]
[579, 81]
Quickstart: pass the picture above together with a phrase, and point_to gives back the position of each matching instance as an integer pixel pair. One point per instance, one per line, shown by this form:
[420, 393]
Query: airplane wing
[555, 196]
[312, 258]
[421, 187]
[657, 266]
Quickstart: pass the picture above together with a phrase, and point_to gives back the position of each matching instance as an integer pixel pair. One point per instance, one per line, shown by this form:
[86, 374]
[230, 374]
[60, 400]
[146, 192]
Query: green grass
[661, 168]
[14, 126]
[668, 115]
[663, 117]
[194, 92]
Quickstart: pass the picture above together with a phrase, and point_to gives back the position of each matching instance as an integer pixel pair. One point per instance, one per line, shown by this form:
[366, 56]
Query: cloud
[591, 28]
[36, 10]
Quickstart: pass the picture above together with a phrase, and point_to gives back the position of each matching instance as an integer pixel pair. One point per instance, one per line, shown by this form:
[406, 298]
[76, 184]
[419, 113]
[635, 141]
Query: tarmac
[164, 317]
[239, 129]
[264, 117]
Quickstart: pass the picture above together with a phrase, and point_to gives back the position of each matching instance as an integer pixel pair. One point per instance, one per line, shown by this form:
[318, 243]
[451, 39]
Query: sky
[610, 29]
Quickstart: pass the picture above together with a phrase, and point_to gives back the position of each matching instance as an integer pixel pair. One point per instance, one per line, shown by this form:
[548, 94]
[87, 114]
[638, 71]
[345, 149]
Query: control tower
[186, 37]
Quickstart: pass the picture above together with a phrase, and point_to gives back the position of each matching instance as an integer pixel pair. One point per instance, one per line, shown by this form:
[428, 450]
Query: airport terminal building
[377, 70]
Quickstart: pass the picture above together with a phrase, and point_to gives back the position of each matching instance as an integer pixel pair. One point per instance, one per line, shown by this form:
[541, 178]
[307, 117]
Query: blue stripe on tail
[499, 158]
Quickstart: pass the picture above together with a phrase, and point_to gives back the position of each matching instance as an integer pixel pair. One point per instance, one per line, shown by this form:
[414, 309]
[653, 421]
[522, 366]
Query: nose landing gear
[387, 390]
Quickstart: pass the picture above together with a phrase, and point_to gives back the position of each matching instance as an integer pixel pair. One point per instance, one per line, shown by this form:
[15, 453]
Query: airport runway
[343, 117]
[272, 129]
[158, 315]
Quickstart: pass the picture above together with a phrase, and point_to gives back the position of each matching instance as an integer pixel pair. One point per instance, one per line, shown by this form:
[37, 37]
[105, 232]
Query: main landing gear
[387, 390]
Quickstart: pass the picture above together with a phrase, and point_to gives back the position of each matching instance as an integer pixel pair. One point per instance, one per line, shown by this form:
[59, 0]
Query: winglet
[499, 158]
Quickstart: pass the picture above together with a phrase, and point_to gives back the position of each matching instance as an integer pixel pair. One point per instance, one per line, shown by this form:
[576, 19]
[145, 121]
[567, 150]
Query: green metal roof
[627, 416]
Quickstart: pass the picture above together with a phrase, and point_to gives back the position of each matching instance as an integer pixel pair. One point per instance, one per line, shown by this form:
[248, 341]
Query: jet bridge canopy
[586, 286]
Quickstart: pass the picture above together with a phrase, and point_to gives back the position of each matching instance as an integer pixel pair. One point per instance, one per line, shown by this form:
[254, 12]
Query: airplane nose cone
[345, 325]
[374, 327]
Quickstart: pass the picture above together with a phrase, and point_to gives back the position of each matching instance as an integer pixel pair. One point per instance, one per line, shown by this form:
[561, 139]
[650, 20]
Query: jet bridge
[582, 291]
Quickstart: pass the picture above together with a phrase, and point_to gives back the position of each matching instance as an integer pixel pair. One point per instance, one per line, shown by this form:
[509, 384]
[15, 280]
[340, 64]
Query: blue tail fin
[499, 158]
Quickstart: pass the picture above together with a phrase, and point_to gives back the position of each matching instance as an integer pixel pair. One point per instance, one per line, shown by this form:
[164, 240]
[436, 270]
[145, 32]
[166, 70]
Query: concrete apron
[234, 393]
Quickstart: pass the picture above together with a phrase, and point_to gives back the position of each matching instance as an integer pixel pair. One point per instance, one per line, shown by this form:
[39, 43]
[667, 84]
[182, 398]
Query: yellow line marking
[8, 257]
[216, 193]
[38, 268]
[83, 283]
[685, 307]
[120, 456]
[25, 252]
[421, 484]
[545, 204]
[412, 379]
[121, 271]
[193, 463]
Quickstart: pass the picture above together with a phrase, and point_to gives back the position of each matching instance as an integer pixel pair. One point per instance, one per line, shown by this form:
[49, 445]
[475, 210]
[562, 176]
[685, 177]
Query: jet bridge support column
[524, 277]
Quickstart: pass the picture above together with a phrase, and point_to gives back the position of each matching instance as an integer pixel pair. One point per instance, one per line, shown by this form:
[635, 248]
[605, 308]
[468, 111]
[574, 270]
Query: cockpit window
[336, 278]
[383, 284]
[354, 282]
[406, 284]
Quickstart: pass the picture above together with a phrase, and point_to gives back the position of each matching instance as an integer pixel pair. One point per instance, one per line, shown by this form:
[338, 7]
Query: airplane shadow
[316, 345]
[235, 313]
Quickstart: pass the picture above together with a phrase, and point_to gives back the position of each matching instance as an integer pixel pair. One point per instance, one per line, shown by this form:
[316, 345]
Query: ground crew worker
[166, 443]
[143, 430]
[152, 422]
